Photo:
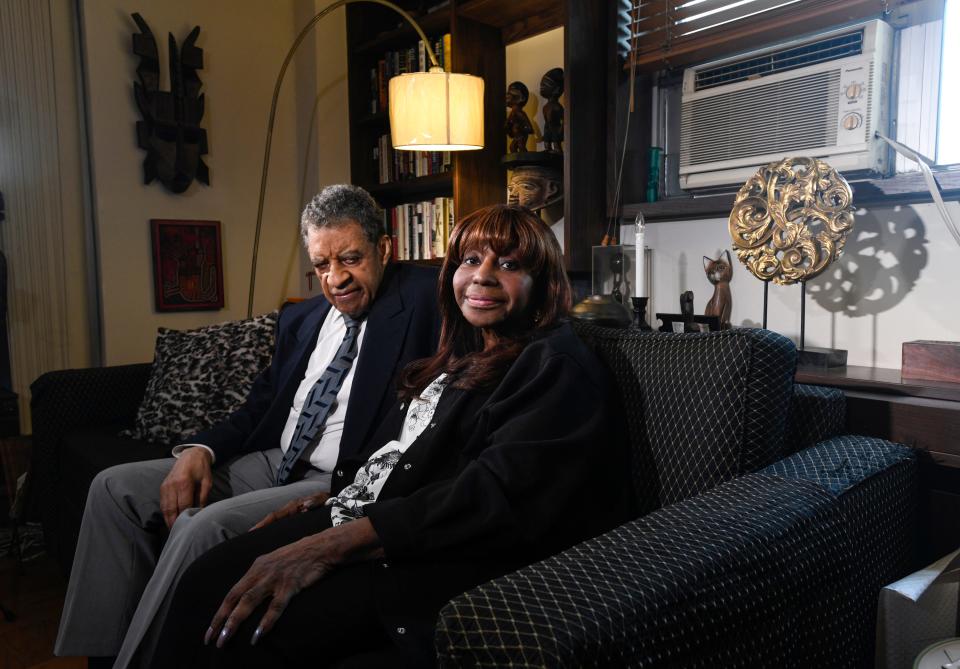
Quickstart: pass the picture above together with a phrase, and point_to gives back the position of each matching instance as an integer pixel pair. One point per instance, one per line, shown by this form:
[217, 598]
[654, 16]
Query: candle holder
[640, 313]
[613, 272]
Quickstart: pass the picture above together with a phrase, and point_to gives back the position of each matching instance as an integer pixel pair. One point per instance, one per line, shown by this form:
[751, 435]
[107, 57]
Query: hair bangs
[505, 230]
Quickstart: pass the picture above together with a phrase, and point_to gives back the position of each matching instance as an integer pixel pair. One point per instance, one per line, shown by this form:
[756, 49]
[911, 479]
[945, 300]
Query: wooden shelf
[380, 119]
[878, 380]
[907, 188]
[432, 23]
[411, 190]
[516, 20]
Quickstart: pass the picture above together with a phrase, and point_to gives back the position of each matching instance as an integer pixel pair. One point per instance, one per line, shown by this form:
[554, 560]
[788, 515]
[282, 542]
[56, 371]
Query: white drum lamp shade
[436, 111]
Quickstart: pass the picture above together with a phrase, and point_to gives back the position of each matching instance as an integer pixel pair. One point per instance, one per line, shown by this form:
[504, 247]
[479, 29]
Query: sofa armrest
[707, 582]
[64, 400]
[876, 484]
[70, 398]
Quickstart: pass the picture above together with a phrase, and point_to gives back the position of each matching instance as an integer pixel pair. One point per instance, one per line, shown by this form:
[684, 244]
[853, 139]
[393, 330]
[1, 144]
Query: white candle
[640, 283]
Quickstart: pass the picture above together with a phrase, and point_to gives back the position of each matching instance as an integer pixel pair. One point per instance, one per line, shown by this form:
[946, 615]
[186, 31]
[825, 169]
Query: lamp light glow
[436, 111]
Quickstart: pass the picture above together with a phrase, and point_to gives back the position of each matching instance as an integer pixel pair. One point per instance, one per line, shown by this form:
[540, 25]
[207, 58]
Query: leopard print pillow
[201, 376]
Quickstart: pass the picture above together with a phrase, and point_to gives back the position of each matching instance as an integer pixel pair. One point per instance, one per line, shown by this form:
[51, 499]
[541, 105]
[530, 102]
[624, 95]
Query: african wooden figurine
[518, 125]
[535, 186]
[551, 88]
[719, 272]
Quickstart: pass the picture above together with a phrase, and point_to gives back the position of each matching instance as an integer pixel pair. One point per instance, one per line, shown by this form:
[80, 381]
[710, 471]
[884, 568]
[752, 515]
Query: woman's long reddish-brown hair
[506, 230]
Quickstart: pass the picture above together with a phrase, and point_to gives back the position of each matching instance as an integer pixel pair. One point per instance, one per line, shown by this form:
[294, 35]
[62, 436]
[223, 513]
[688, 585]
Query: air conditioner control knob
[851, 121]
[854, 91]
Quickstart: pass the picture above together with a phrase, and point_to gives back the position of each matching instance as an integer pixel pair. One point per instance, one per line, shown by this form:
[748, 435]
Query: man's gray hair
[339, 204]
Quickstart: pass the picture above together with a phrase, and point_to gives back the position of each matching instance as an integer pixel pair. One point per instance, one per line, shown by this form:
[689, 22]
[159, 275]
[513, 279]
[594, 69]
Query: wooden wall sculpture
[170, 131]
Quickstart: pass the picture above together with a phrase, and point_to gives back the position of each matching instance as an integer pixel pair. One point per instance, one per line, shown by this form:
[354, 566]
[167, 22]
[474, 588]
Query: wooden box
[931, 361]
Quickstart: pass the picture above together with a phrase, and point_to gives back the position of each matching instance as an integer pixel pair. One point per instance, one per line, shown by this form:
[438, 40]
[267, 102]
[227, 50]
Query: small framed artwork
[187, 265]
[681, 323]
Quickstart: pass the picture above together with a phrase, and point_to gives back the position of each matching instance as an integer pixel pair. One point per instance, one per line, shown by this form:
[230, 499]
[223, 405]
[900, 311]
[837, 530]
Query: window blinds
[672, 33]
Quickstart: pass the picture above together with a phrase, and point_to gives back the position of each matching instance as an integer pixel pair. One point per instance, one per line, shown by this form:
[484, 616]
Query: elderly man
[329, 384]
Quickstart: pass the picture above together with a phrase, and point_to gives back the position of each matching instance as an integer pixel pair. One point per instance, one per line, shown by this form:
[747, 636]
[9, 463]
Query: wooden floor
[34, 593]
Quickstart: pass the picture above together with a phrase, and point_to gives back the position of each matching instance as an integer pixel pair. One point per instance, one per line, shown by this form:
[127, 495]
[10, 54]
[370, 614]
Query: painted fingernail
[256, 636]
[208, 636]
[223, 637]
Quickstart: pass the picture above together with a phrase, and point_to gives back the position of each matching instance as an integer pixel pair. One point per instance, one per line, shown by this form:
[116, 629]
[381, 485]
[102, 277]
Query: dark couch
[764, 537]
[77, 414]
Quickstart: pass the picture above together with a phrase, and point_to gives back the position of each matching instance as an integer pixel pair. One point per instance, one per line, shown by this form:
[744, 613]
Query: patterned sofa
[764, 538]
[85, 420]
[764, 541]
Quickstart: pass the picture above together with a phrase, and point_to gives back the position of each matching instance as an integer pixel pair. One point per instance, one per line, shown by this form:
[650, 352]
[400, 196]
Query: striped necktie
[320, 400]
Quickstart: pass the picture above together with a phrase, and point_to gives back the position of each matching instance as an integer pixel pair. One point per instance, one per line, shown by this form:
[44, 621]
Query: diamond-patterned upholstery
[816, 413]
[101, 398]
[701, 408]
[776, 568]
[875, 484]
[696, 584]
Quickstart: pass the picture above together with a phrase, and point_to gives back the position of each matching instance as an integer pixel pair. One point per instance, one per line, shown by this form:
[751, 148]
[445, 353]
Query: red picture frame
[187, 265]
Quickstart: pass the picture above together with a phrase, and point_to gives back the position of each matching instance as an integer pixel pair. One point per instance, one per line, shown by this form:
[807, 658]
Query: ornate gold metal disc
[791, 219]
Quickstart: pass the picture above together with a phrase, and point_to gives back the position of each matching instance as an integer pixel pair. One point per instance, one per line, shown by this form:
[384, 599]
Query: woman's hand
[293, 507]
[281, 574]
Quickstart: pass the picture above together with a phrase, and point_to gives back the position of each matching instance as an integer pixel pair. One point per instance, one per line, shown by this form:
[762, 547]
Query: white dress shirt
[324, 455]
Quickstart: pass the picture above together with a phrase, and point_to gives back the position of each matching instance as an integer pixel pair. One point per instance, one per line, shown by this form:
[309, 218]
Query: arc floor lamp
[429, 111]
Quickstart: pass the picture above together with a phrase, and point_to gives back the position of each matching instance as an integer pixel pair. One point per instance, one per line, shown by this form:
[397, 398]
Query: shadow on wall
[881, 263]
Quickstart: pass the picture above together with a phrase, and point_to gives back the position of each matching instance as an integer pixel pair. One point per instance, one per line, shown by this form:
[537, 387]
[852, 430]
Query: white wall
[244, 43]
[897, 281]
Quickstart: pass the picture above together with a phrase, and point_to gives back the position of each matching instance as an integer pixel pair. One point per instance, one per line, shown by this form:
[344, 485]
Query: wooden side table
[921, 414]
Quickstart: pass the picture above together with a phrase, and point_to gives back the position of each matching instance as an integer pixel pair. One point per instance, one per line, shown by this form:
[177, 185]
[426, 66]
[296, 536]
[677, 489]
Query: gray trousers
[127, 564]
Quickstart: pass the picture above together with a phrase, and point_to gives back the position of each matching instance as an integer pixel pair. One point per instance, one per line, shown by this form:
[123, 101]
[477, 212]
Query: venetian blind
[672, 33]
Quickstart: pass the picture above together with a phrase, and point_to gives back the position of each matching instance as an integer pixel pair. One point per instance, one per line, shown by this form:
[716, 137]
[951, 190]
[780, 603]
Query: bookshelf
[375, 34]
[479, 31]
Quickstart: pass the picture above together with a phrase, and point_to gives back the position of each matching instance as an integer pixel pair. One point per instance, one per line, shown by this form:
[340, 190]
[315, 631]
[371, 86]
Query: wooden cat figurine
[719, 272]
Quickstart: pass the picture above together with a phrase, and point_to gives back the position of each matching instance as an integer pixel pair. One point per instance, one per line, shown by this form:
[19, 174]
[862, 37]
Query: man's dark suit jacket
[403, 325]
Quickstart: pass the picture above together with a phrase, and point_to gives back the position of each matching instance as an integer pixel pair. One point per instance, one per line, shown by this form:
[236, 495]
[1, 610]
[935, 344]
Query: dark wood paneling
[585, 130]
[403, 35]
[502, 13]
[932, 425]
[478, 178]
[552, 17]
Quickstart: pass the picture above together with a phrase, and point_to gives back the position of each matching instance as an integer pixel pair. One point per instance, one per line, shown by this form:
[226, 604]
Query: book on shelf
[420, 230]
[402, 61]
[403, 165]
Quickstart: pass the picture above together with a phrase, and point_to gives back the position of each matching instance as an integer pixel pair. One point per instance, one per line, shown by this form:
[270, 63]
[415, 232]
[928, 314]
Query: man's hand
[187, 485]
[280, 575]
[293, 507]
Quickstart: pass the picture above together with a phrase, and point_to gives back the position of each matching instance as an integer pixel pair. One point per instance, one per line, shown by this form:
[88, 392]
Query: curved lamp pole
[422, 143]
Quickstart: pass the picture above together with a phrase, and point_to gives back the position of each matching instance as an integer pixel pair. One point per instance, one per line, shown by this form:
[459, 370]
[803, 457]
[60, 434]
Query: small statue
[686, 305]
[686, 312]
[719, 272]
[518, 126]
[551, 88]
[535, 186]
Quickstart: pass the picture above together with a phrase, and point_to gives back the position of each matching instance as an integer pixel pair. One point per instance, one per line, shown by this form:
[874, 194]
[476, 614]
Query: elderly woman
[504, 448]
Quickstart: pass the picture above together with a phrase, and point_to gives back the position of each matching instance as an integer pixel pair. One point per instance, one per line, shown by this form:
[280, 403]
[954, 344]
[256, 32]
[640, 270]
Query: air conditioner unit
[822, 96]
